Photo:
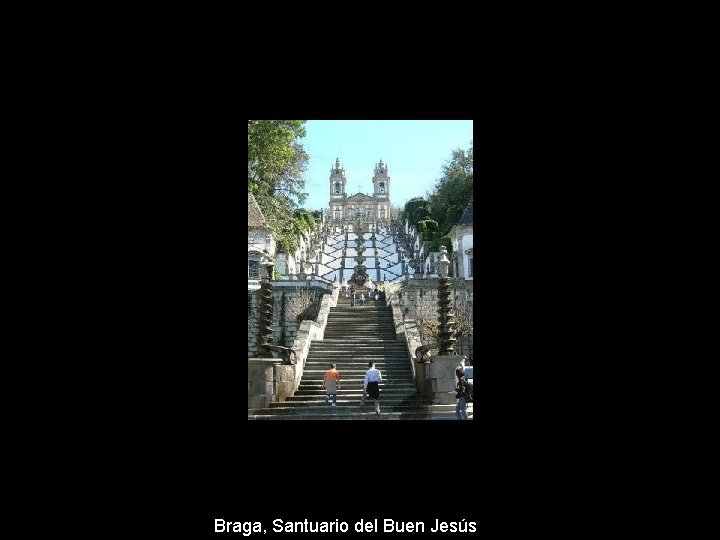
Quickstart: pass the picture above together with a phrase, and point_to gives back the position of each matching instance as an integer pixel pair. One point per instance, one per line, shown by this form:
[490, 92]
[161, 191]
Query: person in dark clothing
[462, 389]
[371, 385]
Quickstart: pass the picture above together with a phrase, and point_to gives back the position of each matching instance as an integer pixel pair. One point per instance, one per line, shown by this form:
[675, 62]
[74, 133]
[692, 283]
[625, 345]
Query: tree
[276, 165]
[411, 206]
[436, 242]
[427, 227]
[291, 180]
[420, 214]
[272, 153]
[453, 190]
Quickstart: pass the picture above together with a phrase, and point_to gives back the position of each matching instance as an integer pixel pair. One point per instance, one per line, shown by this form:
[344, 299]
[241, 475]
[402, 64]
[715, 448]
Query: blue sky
[414, 151]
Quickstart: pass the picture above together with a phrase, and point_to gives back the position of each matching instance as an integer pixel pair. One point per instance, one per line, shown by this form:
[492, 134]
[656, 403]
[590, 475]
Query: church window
[337, 187]
[254, 269]
[382, 187]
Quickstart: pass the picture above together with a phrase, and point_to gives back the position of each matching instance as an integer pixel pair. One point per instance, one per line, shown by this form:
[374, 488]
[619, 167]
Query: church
[344, 208]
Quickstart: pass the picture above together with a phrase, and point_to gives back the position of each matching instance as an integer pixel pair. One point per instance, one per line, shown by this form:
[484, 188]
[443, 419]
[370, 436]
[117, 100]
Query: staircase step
[358, 412]
[354, 336]
[389, 403]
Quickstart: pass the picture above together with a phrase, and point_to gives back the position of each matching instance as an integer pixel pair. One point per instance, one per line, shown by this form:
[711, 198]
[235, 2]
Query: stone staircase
[355, 336]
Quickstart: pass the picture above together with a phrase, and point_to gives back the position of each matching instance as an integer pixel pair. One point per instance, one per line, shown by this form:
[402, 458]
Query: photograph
[360, 270]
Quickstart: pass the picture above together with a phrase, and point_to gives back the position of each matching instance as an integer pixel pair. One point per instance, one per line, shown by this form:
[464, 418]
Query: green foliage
[447, 242]
[428, 227]
[453, 190]
[300, 222]
[278, 212]
[304, 220]
[273, 153]
[445, 206]
[276, 165]
[286, 245]
[413, 204]
[420, 214]
[437, 242]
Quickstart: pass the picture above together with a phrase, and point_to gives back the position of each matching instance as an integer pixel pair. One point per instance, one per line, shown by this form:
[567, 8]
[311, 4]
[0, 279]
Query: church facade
[359, 207]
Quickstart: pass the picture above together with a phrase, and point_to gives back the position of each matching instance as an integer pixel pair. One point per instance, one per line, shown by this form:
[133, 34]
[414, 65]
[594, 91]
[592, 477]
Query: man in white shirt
[371, 384]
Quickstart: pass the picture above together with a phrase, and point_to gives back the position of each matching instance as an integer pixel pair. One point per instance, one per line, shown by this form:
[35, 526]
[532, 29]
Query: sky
[414, 151]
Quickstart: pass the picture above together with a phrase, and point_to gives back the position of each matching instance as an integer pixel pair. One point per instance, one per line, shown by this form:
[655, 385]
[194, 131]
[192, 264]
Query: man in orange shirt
[331, 382]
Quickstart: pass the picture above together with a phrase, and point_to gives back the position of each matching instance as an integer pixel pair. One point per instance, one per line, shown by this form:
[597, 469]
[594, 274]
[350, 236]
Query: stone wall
[416, 298]
[268, 379]
[261, 239]
[411, 297]
[441, 380]
[405, 329]
[290, 299]
[286, 264]
[261, 381]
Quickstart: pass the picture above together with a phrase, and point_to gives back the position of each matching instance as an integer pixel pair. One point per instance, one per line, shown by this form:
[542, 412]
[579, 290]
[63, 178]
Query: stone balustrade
[268, 379]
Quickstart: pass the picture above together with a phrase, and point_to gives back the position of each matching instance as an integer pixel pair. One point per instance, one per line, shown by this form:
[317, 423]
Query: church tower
[338, 192]
[381, 193]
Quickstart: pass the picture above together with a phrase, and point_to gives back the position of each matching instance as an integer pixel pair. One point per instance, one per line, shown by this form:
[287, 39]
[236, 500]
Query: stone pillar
[421, 380]
[261, 381]
[282, 263]
[284, 381]
[446, 319]
[265, 306]
[441, 378]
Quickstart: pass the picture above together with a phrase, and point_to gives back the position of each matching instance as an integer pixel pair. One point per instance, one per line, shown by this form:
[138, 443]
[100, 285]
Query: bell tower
[381, 193]
[338, 192]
